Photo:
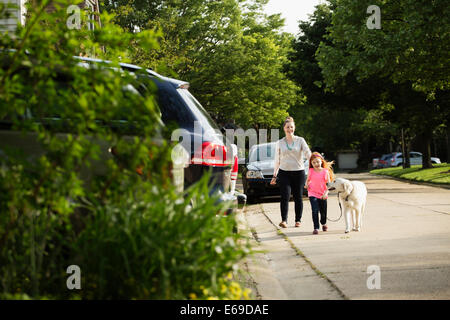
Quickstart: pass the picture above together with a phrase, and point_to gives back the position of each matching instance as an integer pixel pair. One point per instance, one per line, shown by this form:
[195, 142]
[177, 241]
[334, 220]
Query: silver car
[415, 158]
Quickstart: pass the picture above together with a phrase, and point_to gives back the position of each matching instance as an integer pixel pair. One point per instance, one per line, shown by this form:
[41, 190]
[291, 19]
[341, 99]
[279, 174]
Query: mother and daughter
[289, 172]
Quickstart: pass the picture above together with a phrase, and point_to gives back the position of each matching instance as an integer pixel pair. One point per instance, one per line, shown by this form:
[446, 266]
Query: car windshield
[262, 152]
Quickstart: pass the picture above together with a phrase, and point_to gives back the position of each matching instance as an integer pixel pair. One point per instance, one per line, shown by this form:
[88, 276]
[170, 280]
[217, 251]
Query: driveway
[405, 235]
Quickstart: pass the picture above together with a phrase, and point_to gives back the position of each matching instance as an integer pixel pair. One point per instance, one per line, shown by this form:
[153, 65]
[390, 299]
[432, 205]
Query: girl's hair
[325, 164]
[288, 119]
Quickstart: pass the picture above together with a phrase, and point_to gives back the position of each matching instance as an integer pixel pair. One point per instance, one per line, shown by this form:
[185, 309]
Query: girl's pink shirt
[317, 183]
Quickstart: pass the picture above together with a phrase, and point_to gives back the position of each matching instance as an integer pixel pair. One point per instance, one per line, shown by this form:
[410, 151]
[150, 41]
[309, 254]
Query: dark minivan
[179, 109]
[208, 151]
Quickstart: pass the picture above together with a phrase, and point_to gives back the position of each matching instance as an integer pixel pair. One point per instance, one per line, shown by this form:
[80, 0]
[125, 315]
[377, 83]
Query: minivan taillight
[234, 171]
[212, 154]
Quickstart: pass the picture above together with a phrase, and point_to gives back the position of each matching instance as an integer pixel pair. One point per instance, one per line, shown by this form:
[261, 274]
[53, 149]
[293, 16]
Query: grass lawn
[440, 173]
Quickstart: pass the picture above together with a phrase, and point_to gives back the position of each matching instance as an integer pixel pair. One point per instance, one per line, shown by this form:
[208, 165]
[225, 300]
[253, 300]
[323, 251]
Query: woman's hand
[273, 181]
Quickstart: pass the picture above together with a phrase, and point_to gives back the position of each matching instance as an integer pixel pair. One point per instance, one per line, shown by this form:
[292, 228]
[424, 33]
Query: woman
[290, 170]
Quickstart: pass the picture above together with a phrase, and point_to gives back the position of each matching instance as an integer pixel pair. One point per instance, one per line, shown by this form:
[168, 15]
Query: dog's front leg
[353, 215]
[347, 215]
[357, 226]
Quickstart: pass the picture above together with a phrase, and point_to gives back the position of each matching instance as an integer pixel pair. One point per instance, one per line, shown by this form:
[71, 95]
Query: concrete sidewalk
[406, 233]
[277, 269]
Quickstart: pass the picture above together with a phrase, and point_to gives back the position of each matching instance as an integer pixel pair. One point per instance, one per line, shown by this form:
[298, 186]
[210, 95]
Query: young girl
[320, 172]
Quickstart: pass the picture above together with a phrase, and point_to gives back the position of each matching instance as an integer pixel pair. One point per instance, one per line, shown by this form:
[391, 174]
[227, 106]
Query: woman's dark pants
[291, 181]
[318, 205]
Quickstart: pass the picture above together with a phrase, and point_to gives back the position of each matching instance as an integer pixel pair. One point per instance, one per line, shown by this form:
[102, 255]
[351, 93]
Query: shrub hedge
[64, 200]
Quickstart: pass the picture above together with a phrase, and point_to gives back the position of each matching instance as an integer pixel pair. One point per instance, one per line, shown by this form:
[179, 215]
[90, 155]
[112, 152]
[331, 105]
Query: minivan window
[173, 111]
[198, 110]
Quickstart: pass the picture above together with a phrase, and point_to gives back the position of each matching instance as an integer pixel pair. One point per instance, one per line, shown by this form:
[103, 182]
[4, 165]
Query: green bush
[154, 245]
[65, 200]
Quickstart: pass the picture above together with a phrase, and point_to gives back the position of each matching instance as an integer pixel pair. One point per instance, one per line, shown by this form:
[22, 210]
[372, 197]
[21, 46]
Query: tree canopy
[413, 43]
[230, 51]
[335, 118]
[410, 53]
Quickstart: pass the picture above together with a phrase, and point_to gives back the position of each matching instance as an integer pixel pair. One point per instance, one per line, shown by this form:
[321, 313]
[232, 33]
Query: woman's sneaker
[316, 231]
[324, 227]
[283, 224]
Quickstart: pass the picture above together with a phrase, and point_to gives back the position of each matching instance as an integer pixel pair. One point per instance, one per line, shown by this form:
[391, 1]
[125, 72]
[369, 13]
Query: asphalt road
[405, 235]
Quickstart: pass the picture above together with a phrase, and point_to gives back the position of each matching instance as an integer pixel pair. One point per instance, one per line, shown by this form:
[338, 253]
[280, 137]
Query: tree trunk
[406, 158]
[364, 159]
[403, 150]
[426, 153]
[448, 143]
[408, 140]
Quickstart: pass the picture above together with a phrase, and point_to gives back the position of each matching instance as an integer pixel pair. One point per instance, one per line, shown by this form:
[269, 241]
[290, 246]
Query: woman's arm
[308, 179]
[305, 148]
[277, 159]
[276, 164]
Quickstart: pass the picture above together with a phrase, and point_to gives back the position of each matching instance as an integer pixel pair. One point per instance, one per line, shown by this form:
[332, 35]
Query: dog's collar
[346, 198]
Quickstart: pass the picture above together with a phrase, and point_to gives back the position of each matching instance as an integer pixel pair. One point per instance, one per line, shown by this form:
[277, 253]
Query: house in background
[9, 16]
[92, 6]
[347, 159]
[18, 13]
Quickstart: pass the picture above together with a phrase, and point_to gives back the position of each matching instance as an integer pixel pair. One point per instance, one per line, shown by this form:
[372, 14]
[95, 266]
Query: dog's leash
[340, 207]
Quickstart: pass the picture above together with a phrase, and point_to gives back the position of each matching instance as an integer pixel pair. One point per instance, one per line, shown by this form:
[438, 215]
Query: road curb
[256, 265]
[438, 185]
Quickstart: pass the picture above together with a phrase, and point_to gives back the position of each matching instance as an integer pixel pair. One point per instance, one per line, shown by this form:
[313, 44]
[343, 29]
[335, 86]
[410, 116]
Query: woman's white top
[291, 158]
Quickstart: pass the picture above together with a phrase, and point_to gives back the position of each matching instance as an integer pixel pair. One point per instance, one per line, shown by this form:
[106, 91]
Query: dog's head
[340, 185]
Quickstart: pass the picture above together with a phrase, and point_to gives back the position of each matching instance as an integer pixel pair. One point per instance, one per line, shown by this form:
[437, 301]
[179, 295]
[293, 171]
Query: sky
[292, 11]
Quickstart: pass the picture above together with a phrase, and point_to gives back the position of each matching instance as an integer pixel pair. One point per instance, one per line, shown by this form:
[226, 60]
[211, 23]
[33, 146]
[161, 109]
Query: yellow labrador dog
[352, 197]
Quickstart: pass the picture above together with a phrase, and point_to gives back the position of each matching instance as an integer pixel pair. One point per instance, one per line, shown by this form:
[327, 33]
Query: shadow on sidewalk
[309, 233]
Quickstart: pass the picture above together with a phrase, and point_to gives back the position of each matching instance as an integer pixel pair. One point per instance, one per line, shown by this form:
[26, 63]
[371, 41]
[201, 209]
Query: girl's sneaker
[324, 227]
[316, 231]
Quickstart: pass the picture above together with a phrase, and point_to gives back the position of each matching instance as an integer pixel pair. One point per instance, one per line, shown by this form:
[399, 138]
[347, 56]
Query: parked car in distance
[375, 162]
[383, 161]
[415, 158]
[258, 172]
